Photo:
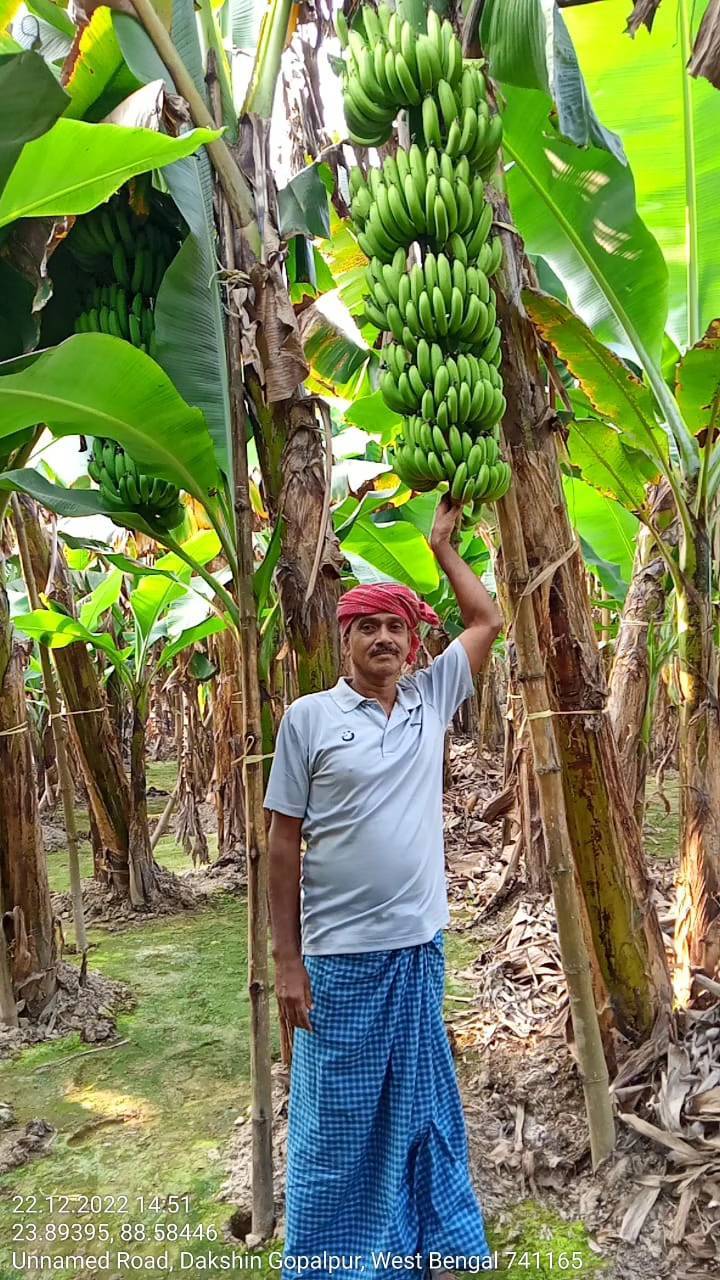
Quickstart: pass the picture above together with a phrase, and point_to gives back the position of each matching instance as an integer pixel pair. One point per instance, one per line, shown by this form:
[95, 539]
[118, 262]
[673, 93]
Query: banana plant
[152, 593]
[653, 410]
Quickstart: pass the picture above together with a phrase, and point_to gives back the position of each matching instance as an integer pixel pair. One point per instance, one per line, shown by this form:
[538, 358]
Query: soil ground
[156, 1110]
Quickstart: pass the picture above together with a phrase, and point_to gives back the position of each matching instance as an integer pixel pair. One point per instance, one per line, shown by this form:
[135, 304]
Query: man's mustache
[381, 650]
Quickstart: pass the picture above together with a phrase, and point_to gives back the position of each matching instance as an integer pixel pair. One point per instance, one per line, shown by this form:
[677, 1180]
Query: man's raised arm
[483, 620]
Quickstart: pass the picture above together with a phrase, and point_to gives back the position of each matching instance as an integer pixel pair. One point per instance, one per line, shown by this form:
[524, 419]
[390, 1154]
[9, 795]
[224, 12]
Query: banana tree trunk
[59, 732]
[92, 730]
[294, 452]
[697, 929]
[631, 680]
[295, 474]
[604, 834]
[575, 954]
[249, 768]
[192, 775]
[228, 738]
[491, 729]
[26, 921]
[143, 881]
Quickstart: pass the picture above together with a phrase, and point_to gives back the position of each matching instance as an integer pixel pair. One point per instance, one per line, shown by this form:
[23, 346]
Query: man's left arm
[482, 618]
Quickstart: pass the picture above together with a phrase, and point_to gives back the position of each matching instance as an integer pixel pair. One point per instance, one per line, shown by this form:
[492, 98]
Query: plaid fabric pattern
[377, 1147]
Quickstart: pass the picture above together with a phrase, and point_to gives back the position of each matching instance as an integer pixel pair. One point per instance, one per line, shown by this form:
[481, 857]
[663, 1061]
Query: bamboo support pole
[57, 720]
[573, 950]
[253, 784]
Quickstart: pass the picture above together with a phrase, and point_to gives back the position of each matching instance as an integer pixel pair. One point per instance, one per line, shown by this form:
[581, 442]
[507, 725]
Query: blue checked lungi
[377, 1148]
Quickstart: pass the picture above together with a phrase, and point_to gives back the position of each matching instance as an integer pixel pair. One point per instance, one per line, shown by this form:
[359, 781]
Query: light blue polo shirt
[369, 790]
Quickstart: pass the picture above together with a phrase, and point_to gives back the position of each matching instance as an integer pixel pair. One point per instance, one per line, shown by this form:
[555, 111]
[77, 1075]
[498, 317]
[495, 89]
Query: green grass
[539, 1244]
[164, 1104]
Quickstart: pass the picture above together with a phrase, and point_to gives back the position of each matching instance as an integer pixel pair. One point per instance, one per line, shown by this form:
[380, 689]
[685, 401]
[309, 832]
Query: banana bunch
[424, 197]
[390, 66]
[473, 468]
[112, 310]
[124, 488]
[424, 223]
[458, 121]
[461, 391]
[438, 299]
[112, 243]
[95, 235]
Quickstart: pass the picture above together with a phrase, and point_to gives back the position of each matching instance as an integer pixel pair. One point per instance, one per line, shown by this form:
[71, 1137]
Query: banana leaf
[697, 384]
[576, 207]
[210, 627]
[30, 102]
[98, 385]
[670, 124]
[245, 17]
[189, 320]
[56, 630]
[609, 528]
[303, 203]
[51, 34]
[527, 44]
[397, 550]
[614, 392]
[75, 166]
[140, 53]
[609, 464]
[102, 598]
[98, 59]
[184, 33]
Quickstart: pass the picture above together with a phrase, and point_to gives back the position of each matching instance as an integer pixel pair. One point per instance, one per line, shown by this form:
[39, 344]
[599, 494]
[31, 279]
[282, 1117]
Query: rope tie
[17, 728]
[545, 715]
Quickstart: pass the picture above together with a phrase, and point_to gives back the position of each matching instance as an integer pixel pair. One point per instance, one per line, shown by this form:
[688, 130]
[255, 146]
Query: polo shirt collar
[348, 698]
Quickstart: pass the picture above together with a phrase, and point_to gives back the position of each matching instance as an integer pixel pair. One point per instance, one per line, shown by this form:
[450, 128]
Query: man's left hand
[446, 518]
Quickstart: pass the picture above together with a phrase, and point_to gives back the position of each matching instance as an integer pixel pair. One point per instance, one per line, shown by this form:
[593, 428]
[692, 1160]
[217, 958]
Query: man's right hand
[292, 987]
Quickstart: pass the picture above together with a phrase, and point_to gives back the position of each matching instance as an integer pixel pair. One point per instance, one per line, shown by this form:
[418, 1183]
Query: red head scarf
[385, 597]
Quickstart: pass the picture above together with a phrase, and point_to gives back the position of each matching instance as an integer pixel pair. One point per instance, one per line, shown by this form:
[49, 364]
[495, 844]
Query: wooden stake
[253, 788]
[573, 951]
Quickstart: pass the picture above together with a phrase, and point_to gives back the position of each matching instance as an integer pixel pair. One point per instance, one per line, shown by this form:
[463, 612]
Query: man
[377, 1178]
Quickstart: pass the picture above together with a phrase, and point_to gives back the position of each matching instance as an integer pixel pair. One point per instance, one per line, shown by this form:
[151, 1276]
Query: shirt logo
[348, 735]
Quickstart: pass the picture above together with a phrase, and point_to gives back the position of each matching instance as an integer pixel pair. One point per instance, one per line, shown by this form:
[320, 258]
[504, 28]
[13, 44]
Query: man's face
[378, 645]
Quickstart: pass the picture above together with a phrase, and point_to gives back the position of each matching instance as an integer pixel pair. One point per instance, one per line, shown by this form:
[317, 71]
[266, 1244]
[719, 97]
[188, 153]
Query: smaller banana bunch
[110, 309]
[420, 197]
[390, 67]
[461, 390]
[459, 122]
[473, 468]
[439, 299]
[124, 488]
[112, 243]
